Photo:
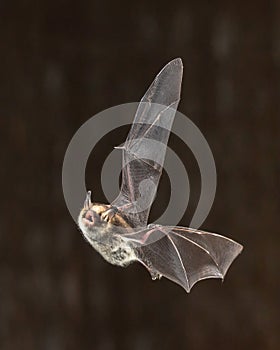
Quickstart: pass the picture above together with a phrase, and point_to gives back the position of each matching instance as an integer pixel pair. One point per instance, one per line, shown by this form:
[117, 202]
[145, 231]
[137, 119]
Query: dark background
[63, 62]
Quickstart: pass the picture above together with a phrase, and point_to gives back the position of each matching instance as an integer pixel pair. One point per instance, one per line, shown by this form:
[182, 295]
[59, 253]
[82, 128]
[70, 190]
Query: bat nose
[87, 203]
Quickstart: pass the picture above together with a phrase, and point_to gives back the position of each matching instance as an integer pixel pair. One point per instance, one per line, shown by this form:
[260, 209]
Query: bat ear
[87, 203]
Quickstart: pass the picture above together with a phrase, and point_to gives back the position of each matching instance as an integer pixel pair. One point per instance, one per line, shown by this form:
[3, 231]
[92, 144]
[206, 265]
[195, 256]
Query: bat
[120, 231]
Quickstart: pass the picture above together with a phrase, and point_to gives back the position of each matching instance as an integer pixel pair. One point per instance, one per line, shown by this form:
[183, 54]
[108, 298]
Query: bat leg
[154, 273]
[108, 215]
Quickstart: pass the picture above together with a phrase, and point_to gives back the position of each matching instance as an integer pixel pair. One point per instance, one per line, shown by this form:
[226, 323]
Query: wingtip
[178, 60]
[175, 62]
[241, 247]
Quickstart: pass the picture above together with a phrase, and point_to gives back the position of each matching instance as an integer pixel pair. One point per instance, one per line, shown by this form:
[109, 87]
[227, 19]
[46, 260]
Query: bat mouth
[90, 218]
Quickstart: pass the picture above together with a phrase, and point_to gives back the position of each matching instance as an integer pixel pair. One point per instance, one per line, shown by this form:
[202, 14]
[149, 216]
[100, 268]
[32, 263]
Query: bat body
[102, 227]
[119, 231]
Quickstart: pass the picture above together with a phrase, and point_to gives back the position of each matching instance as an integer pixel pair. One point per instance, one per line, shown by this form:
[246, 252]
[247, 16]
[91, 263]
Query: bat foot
[108, 215]
[155, 275]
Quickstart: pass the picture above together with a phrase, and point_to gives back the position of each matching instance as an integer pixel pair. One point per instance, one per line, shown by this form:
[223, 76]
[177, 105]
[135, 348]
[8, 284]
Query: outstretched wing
[183, 255]
[145, 146]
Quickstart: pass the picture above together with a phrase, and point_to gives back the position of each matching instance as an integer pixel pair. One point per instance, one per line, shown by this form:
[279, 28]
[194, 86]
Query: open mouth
[90, 218]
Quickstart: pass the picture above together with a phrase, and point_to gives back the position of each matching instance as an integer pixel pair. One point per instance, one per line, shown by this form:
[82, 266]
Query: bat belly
[122, 256]
[117, 253]
[113, 249]
[104, 237]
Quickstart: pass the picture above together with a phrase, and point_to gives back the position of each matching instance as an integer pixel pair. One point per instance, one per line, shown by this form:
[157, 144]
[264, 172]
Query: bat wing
[183, 255]
[145, 146]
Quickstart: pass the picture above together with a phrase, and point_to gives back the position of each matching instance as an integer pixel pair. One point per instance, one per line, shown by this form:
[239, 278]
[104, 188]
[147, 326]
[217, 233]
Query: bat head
[90, 216]
[95, 219]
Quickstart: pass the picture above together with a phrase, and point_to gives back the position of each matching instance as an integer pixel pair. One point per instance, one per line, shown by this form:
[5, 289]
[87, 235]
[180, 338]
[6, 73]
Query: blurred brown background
[63, 62]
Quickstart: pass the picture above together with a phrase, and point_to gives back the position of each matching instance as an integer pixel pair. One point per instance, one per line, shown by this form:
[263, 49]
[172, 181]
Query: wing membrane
[183, 255]
[145, 147]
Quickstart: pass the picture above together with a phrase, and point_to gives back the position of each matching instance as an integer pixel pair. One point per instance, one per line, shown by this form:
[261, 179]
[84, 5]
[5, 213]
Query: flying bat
[120, 232]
